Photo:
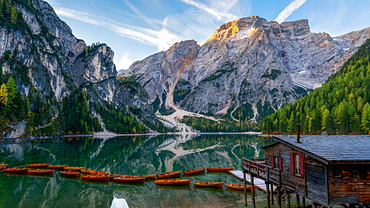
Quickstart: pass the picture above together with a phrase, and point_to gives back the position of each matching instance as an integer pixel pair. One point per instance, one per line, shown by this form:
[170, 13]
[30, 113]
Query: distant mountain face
[247, 69]
[49, 64]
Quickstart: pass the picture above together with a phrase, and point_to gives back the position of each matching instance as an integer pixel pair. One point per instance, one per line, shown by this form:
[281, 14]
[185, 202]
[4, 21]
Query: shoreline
[107, 135]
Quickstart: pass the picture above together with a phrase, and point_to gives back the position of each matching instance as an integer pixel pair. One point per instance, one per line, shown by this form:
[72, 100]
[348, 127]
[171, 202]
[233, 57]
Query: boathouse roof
[329, 148]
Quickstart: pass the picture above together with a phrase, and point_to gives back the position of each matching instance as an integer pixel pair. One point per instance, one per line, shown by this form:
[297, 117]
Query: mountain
[53, 83]
[246, 70]
[341, 105]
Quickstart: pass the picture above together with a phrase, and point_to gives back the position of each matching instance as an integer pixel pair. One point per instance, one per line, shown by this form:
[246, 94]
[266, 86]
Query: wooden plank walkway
[257, 181]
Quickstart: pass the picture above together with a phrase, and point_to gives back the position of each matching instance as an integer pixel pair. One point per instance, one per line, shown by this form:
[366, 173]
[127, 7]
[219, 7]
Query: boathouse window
[297, 164]
[337, 173]
[277, 162]
[354, 172]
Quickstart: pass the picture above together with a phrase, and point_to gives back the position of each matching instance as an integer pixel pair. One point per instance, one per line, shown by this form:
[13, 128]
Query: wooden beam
[268, 194]
[245, 190]
[253, 194]
[272, 194]
[304, 202]
[298, 201]
[279, 196]
[287, 199]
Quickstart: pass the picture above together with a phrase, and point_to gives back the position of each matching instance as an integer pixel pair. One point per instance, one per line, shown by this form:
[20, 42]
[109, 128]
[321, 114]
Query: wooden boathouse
[328, 170]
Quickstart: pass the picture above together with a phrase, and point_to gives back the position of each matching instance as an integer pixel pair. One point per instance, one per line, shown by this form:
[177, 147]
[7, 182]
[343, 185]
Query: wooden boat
[88, 171]
[129, 179]
[100, 173]
[59, 167]
[169, 174]
[238, 186]
[41, 171]
[95, 177]
[209, 184]
[69, 173]
[150, 176]
[3, 166]
[38, 165]
[74, 168]
[194, 171]
[172, 182]
[115, 176]
[16, 170]
[219, 169]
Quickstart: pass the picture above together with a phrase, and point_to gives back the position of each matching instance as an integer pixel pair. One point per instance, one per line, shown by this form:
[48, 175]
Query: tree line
[340, 106]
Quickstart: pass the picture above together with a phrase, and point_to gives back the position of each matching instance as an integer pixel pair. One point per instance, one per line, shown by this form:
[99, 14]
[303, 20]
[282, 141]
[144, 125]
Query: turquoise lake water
[127, 155]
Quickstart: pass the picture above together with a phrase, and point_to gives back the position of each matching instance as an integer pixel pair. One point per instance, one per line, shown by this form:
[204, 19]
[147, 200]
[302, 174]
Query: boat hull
[16, 170]
[169, 174]
[72, 174]
[194, 171]
[96, 177]
[59, 167]
[209, 184]
[129, 179]
[173, 182]
[238, 186]
[38, 165]
[40, 171]
[219, 169]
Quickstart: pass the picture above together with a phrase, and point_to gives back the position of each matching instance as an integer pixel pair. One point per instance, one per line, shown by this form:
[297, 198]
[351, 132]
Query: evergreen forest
[340, 106]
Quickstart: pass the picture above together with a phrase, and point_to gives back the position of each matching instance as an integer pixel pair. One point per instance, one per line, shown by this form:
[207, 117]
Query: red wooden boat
[129, 179]
[169, 174]
[88, 171]
[209, 184]
[150, 176]
[38, 165]
[16, 170]
[74, 168]
[96, 177]
[41, 171]
[238, 186]
[69, 173]
[59, 167]
[194, 171]
[172, 182]
[219, 169]
[3, 166]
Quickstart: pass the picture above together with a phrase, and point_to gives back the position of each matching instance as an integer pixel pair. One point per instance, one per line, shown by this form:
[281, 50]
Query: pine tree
[12, 91]
[3, 95]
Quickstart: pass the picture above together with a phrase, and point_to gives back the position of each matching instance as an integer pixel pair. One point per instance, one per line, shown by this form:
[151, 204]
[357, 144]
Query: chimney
[298, 132]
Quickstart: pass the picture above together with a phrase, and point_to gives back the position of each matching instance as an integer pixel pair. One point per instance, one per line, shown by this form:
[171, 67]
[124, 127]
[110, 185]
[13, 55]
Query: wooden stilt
[245, 190]
[279, 196]
[268, 194]
[298, 201]
[287, 199]
[253, 192]
[314, 205]
[272, 194]
[304, 202]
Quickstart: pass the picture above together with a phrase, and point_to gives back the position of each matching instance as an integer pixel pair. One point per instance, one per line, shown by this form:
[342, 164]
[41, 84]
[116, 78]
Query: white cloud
[216, 13]
[124, 62]
[162, 39]
[289, 10]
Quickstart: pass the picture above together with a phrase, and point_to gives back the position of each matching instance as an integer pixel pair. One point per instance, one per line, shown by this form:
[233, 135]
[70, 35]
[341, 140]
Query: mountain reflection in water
[137, 155]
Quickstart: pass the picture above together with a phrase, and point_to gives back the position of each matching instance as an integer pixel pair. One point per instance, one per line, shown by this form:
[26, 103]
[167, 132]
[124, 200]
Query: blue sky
[135, 29]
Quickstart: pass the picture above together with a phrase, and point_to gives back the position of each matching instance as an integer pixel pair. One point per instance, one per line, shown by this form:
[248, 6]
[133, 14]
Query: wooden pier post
[268, 194]
[272, 194]
[287, 199]
[253, 192]
[245, 190]
[298, 201]
[304, 202]
[279, 196]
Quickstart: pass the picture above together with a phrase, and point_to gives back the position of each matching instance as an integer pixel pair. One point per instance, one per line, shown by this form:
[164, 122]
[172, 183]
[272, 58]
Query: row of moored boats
[94, 175]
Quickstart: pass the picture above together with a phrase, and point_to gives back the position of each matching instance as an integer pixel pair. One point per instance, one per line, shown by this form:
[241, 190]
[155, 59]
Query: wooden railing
[258, 168]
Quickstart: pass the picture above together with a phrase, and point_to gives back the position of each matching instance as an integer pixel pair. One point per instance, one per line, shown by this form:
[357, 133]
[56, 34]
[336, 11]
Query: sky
[136, 29]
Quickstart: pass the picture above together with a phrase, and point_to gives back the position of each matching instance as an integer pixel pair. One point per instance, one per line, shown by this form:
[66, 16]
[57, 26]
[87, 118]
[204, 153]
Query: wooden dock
[259, 183]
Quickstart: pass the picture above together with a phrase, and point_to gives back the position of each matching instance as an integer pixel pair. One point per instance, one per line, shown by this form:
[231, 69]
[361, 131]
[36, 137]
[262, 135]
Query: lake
[131, 155]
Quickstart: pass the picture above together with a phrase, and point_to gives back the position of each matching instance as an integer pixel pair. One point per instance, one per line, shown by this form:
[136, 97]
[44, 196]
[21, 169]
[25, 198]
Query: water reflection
[125, 155]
